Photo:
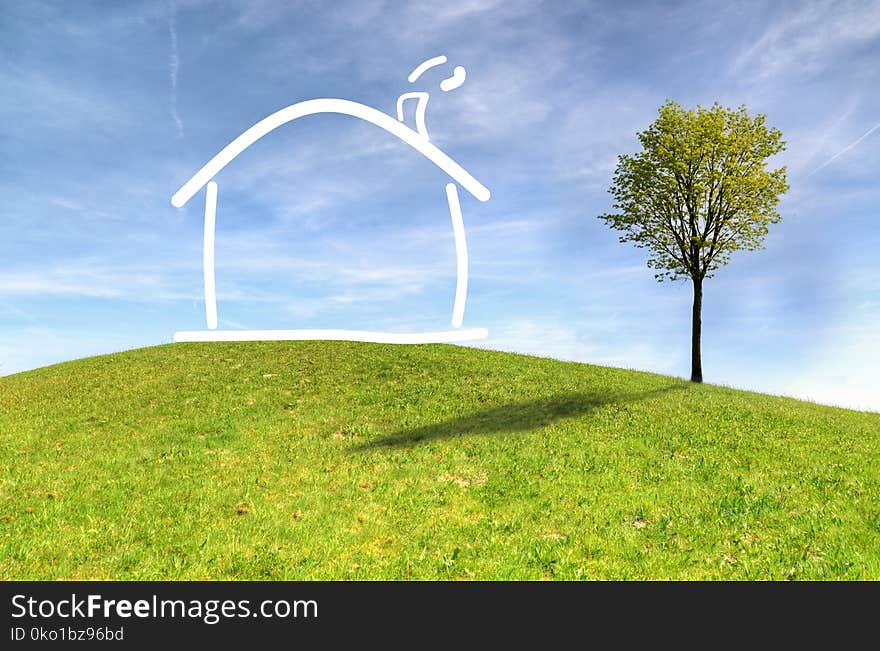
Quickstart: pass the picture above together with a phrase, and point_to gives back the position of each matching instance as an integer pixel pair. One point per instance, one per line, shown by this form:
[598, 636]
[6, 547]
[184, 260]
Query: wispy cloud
[92, 278]
[173, 66]
[845, 149]
[809, 38]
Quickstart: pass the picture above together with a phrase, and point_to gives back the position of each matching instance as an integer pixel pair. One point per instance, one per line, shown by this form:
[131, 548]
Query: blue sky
[107, 108]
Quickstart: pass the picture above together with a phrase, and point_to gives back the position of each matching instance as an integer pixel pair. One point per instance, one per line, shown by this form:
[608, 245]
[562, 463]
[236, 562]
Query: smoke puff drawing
[418, 139]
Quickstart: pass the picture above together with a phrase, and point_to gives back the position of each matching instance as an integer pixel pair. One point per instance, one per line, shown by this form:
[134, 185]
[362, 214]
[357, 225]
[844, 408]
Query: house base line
[443, 337]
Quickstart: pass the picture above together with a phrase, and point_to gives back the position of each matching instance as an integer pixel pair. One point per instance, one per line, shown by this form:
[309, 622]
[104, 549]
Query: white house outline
[417, 141]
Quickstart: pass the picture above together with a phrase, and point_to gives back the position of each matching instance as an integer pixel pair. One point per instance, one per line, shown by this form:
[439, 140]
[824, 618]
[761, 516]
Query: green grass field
[326, 460]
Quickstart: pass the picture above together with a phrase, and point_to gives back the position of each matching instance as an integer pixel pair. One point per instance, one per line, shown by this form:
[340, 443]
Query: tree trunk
[696, 331]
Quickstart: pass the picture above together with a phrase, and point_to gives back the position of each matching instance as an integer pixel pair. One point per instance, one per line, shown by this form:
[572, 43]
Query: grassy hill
[322, 460]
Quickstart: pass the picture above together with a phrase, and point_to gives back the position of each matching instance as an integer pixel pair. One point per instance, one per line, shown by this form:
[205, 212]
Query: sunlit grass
[358, 461]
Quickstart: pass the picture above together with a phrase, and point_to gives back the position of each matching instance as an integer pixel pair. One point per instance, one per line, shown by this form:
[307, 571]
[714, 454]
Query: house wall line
[208, 255]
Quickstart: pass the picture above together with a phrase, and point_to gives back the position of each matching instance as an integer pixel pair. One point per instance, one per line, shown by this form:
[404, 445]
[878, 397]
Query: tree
[698, 191]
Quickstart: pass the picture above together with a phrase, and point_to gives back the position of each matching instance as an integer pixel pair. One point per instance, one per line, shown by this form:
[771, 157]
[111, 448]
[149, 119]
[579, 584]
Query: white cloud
[540, 338]
[843, 371]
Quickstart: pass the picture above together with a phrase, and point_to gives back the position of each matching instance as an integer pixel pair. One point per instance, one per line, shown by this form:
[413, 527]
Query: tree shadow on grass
[517, 417]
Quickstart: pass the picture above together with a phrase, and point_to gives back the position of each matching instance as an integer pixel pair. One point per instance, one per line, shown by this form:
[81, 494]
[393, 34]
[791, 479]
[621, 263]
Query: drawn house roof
[328, 105]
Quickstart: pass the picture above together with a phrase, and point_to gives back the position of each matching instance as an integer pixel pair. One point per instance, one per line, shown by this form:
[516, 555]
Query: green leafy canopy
[699, 189]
